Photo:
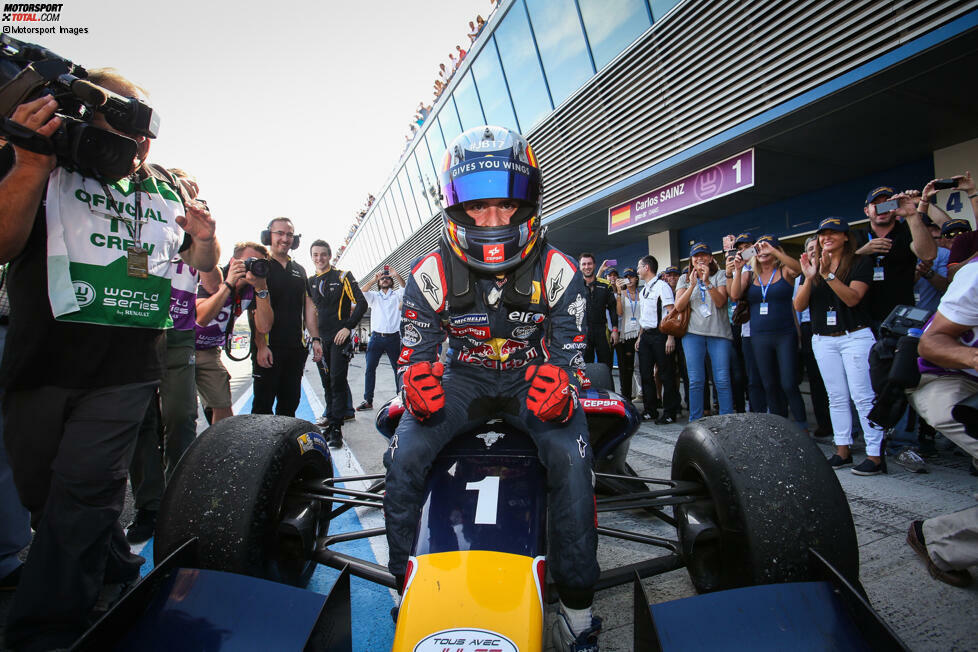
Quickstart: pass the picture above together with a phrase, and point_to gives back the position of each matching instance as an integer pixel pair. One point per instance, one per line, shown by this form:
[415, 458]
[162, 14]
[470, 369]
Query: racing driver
[514, 309]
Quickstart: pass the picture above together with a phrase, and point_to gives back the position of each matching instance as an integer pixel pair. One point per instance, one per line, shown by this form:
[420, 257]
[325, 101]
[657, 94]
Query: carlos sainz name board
[723, 178]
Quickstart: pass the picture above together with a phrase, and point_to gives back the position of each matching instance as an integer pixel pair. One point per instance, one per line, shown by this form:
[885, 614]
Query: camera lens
[257, 266]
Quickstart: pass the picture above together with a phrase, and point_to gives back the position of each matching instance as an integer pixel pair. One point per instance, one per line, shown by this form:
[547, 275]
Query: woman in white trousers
[836, 280]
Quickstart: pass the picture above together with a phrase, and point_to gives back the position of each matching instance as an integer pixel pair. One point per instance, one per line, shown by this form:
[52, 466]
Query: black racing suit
[600, 300]
[335, 293]
[491, 344]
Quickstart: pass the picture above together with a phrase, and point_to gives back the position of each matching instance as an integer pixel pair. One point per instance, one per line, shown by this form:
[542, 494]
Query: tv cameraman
[240, 290]
[78, 384]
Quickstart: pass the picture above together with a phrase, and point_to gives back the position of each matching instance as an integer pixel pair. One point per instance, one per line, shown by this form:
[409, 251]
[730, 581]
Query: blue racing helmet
[491, 163]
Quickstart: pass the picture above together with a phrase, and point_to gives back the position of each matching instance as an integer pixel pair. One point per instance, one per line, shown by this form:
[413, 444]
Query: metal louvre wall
[423, 241]
[708, 66]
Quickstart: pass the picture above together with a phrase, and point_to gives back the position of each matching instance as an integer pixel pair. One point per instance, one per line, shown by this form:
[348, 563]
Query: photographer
[894, 247]
[385, 324]
[80, 367]
[949, 374]
[241, 290]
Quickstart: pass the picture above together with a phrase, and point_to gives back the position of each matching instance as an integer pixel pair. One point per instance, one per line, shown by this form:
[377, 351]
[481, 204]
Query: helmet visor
[470, 181]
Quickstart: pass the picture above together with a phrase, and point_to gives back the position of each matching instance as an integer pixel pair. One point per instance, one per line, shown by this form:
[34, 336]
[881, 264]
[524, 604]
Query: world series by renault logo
[84, 293]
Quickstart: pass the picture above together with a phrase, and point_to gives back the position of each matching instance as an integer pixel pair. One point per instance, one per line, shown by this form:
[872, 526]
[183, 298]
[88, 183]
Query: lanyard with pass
[704, 307]
[878, 274]
[764, 288]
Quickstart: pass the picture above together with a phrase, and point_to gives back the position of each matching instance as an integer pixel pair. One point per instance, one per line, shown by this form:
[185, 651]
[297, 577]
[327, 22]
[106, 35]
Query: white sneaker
[565, 641]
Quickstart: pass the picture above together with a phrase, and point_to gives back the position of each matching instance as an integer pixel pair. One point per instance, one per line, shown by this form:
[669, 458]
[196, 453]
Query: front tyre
[234, 489]
[770, 495]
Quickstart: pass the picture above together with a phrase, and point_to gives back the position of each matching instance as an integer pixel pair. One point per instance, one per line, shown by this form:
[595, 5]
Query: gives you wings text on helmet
[491, 163]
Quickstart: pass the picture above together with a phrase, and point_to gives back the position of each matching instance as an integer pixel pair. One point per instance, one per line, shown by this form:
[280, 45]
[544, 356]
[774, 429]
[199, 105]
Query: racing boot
[564, 639]
[334, 436]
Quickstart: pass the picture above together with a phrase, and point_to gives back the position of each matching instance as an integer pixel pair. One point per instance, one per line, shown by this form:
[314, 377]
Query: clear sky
[279, 108]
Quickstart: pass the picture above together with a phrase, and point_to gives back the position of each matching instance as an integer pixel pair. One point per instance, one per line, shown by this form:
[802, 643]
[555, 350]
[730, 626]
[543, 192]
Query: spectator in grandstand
[16, 531]
[385, 324]
[627, 300]
[894, 246]
[480, 23]
[78, 375]
[836, 283]
[473, 32]
[949, 374]
[236, 291]
[704, 291]
[601, 307]
[279, 355]
[820, 399]
[339, 306]
[655, 347]
[460, 52]
[171, 416]
[774, 340]
[452, 63]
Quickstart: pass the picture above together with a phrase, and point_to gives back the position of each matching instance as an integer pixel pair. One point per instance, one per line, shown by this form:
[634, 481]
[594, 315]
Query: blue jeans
[378, 346]
[695, 347]
[777, 358]
[755, 389]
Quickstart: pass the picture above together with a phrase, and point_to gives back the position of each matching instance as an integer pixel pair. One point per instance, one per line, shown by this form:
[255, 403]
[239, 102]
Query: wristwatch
[830, 277]
[314, 339]
[261, 294]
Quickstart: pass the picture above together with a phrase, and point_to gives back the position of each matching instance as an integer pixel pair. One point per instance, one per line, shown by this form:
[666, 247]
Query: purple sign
[731, 175]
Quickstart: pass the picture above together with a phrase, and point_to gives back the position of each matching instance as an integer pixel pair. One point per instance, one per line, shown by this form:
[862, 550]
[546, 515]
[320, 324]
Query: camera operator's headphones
[266, 235]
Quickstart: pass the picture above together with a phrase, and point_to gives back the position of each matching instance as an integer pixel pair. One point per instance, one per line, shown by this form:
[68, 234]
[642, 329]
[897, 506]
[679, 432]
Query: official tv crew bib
[89, 238]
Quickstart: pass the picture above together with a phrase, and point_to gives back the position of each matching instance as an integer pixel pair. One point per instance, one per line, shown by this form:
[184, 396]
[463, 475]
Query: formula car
[751, 499]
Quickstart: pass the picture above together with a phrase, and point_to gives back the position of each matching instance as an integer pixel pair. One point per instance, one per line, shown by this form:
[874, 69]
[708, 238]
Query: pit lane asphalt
[925, 613]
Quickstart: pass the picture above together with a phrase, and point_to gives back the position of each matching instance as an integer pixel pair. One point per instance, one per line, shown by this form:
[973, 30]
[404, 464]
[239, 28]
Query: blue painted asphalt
[371, 604]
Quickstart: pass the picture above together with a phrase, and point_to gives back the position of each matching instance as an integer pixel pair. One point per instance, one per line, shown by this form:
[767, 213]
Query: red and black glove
[421, 389]
[550, 396]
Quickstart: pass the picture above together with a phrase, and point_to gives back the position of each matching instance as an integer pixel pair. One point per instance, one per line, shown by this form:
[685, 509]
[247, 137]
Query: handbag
[676, 322]
[741, 313]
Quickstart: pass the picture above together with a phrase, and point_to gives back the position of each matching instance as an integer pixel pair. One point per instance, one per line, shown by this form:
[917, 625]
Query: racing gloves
[550, 397]
[421, 389]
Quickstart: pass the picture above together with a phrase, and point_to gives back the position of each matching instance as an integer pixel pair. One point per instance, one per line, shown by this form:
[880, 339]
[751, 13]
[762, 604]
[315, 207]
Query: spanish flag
[621, 215]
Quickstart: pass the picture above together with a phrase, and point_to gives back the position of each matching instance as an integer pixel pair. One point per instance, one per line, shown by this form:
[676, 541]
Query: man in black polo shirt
[280, 355]
[894, 247]
[600, 301]
[334, 293]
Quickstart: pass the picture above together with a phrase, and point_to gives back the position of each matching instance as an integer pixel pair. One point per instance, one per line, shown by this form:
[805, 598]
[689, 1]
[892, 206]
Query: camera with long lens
[29, 71]
[257, 266]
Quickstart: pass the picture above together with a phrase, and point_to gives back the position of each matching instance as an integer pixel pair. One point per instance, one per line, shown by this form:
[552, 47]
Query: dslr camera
[257, 266]
[29, 71]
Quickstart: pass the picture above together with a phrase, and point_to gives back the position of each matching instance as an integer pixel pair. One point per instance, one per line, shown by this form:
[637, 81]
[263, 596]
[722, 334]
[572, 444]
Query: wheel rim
[300, 523]
[700, 536]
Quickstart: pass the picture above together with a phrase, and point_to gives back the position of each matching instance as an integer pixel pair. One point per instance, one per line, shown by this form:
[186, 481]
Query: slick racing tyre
[231, 490]
[600, 376]
[770, 495]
